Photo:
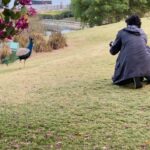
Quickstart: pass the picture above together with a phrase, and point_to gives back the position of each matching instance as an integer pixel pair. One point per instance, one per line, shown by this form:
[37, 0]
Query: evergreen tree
[97, 12]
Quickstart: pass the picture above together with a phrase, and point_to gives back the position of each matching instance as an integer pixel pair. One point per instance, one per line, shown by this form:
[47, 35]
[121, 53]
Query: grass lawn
[54, 12]
[66, 100]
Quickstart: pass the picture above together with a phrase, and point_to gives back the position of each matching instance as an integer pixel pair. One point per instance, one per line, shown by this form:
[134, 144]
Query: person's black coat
[134, 54]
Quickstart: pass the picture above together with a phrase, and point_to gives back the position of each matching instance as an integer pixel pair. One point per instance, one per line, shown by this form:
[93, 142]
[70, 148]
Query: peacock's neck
[30, 46]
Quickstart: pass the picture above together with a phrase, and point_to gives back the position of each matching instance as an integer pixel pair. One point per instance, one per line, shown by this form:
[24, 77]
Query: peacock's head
[31, 39]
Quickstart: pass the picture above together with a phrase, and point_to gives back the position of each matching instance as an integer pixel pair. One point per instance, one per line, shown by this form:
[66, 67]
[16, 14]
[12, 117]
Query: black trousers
[128, 81]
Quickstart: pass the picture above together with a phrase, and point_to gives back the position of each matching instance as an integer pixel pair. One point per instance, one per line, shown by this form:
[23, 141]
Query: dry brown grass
[4, 51]
[57, 40]
[36, 26]
[22, 39]
[40, 44]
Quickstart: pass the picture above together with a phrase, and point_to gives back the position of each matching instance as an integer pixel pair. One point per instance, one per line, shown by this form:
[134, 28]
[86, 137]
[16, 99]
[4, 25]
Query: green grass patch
[54, 12]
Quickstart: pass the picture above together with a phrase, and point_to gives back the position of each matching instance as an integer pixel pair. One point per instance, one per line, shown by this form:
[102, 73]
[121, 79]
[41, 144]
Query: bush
[57, 40]
[67, 14]
[40, 44]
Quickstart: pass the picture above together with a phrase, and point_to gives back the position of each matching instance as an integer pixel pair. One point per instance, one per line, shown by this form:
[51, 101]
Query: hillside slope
[65, 99]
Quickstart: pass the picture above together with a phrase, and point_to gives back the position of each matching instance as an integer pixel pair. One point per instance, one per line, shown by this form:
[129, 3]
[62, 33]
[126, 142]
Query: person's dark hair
[134, 20]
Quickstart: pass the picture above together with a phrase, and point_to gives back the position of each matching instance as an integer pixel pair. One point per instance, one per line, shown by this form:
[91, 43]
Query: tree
[97, 12]
[139, 7]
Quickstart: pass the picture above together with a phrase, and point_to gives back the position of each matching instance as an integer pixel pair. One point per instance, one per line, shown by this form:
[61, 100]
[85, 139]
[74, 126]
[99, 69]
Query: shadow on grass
[131, 86]
[106, 84]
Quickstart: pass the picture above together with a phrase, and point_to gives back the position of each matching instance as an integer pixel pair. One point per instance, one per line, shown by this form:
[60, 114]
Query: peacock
[25, 53]
[20, 53]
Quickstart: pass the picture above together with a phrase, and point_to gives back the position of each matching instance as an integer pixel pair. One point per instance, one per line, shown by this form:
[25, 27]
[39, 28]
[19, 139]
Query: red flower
[2, 34]
[1, 21]
[22, 23]
[9, 24]
[9, 37]
[32, 11]
[25, 2]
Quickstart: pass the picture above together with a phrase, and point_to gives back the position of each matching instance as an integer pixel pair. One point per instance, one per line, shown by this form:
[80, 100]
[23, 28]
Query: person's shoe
[141, 79]
[137, 83]
[148, 79]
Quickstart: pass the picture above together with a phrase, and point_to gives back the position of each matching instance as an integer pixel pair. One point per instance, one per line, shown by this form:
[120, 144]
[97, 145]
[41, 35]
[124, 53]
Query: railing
[45, 7]
[61, 24]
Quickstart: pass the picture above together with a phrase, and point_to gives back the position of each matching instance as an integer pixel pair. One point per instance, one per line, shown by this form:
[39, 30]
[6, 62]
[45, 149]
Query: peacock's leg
[24, 62]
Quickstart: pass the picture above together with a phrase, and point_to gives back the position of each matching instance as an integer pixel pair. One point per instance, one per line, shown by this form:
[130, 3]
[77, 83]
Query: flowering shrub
[21, 23]
[31, 11]
[25, 2]
[14, 17]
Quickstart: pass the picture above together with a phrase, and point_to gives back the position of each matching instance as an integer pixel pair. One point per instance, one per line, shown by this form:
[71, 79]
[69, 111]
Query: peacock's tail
[10, 59]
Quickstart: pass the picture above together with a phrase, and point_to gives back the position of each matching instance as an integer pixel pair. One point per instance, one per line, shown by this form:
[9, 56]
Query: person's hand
[111, 43]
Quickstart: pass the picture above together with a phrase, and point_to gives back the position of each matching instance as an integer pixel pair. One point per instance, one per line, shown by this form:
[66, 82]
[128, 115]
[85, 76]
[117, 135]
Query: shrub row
[56, 41]
[62, 15]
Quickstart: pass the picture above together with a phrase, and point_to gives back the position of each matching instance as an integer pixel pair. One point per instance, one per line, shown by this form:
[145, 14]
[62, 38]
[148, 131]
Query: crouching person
[133, 62]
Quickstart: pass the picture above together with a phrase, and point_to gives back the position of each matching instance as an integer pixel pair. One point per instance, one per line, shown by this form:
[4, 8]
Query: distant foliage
[61, 15]
[57, 40]
[98, 12]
